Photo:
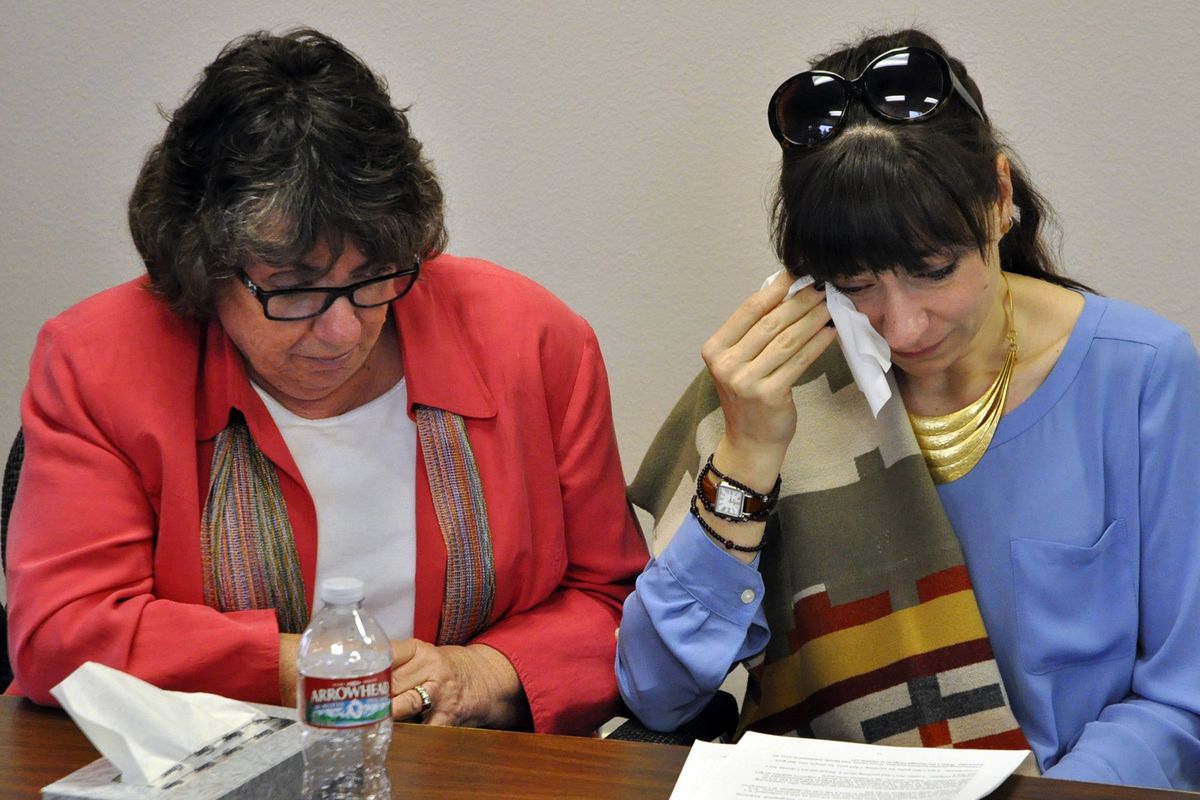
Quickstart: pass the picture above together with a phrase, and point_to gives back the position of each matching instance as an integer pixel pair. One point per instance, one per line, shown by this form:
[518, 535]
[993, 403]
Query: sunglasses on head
[907, 84]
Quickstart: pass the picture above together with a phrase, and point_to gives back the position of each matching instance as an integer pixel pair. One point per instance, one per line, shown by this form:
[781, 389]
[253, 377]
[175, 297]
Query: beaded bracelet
[726, 543]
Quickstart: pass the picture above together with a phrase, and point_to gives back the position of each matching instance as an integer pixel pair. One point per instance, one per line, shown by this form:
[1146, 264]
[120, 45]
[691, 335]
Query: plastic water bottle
[344, 697]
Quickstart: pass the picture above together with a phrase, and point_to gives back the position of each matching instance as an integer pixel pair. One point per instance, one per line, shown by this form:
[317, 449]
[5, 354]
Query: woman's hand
[755, 358]
[289, 646]
[473, 685]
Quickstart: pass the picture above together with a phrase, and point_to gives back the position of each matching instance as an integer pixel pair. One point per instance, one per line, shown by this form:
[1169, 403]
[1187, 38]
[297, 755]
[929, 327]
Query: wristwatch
[731, 500]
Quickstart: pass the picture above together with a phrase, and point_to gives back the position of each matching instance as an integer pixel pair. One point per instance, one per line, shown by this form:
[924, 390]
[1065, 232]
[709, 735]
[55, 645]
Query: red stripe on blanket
[1008, 740]
[935, 734]
[939, 584]
[814, 617]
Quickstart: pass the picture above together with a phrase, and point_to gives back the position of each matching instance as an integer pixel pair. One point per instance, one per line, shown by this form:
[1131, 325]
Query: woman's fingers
[441, 672]
[405, 650]
[414, 663]
[768, 327]
[790, 354]
[752, 309]
[783, 347]
[771, 342]
[789, 372]
[408, 704]
[754, 377]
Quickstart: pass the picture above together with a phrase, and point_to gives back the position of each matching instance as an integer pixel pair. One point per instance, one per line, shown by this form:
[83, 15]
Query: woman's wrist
[757, 467]
[741, 540]
[500, 697]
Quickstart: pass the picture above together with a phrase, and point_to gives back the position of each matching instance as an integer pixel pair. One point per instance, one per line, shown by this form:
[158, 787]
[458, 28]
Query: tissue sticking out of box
[143, 730]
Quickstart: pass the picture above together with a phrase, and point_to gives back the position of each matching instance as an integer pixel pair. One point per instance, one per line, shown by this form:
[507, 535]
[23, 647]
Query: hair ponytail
[1023, 250]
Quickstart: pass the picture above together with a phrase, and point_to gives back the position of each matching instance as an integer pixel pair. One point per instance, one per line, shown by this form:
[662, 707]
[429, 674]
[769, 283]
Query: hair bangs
[282, 219]
[870, 202]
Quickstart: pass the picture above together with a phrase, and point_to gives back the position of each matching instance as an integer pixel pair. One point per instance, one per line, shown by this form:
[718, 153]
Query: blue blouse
[1080, 528]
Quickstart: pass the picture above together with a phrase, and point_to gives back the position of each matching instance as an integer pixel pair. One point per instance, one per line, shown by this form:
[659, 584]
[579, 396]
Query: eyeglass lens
[905, 86]
[297, 305]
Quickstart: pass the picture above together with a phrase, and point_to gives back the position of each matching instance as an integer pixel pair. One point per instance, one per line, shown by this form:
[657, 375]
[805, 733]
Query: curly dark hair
[283, 142]
[881, 196]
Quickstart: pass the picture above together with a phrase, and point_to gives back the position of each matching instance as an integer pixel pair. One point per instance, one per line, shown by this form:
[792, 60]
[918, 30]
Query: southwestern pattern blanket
[876, 636]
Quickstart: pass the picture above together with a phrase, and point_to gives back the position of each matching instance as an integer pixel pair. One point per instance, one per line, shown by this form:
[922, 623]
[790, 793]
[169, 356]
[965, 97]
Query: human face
[316, 367]
[944, 317]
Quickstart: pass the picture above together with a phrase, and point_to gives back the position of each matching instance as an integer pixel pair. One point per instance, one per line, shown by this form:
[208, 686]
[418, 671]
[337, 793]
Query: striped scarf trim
[248, 548]
[462, 515]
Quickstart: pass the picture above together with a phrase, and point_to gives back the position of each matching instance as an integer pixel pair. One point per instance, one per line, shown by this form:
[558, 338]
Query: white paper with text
[762, 766]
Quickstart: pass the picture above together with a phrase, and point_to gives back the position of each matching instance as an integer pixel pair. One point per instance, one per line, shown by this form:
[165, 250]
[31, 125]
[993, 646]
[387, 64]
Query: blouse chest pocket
[1075, 605]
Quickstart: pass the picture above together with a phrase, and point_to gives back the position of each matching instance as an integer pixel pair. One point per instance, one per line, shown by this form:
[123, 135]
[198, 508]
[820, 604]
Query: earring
[1014, 218]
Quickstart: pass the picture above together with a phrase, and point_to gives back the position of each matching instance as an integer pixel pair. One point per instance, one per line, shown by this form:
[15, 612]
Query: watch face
[729, 500]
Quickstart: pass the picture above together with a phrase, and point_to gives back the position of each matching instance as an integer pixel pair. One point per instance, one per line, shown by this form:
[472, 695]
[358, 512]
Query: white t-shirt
[360, 471]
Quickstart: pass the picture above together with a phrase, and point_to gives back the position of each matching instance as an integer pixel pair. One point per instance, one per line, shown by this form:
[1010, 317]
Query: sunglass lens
[906, 85]
[810, 108]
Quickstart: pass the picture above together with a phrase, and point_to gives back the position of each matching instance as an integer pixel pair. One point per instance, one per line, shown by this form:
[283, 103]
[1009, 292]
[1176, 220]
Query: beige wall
[615, 151]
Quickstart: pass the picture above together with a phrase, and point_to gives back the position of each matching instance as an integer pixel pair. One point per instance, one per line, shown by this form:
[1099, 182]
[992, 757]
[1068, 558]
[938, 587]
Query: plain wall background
[617, 152]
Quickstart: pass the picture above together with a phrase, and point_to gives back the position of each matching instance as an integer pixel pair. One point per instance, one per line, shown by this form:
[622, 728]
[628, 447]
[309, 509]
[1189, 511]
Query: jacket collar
[441, 368]
[224, 385]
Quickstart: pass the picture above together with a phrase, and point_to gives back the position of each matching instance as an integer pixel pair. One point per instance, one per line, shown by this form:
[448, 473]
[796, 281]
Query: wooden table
[39, 745]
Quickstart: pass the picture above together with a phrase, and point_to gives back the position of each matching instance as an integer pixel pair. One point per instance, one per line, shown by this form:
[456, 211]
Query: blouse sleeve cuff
[721, 583]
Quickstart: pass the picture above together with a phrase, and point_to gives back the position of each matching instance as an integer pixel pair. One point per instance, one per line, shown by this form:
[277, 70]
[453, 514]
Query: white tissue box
[262, 763]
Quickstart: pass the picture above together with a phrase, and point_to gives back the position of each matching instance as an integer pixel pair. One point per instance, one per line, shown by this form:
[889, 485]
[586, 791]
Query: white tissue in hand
[141, 729]
[867, 353]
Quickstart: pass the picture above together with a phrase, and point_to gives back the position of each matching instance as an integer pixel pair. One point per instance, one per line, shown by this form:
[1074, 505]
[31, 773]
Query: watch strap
[756, 506]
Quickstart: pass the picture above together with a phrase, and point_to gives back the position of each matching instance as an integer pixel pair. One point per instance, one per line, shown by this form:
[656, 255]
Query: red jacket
[123, 402]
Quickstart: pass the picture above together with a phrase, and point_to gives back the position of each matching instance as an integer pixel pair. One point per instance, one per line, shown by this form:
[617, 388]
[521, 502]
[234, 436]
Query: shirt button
[748, 597]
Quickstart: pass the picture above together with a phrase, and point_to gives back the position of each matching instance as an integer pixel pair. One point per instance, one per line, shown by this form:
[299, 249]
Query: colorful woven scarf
[876, 636]
[248, 550]
[462, 515]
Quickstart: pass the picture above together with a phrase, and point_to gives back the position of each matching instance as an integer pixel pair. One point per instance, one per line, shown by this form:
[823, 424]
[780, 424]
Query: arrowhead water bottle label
[347, 702]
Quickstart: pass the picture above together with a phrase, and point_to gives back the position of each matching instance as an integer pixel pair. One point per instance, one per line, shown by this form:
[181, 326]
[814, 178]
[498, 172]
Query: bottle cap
[342, 590]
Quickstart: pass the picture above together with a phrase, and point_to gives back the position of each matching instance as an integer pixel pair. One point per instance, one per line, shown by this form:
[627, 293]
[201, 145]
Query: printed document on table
[763, 766]
[703, 766]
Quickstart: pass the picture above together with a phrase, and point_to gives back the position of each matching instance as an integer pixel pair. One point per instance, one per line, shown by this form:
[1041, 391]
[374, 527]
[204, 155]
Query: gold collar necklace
[953, 443]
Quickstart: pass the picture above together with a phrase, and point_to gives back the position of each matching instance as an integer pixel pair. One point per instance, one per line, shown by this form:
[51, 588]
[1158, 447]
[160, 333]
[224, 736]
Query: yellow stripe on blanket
[941, 622]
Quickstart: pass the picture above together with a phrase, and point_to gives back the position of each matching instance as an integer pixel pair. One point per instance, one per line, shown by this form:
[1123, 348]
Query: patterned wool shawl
[876, 635]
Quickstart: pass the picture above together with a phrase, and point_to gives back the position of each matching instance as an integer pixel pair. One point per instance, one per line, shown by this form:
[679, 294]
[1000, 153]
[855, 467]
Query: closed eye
[858, 282]
[941, 273]
[289, 282]
[292, 279]
[851, 289]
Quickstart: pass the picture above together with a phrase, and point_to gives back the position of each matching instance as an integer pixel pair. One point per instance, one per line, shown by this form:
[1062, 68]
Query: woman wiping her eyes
[1006, 553]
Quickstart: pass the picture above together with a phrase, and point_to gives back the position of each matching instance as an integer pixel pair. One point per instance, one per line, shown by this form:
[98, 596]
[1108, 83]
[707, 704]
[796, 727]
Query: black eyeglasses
[287, 305]
[903, 85]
